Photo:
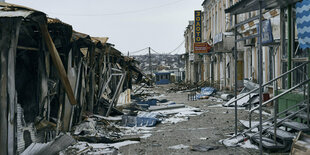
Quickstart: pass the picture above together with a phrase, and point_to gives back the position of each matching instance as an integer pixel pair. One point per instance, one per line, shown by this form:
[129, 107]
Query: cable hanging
[121, 13]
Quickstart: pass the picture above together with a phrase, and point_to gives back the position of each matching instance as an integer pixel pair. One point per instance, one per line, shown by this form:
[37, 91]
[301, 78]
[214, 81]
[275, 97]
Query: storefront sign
[218, 38]
[198, 26]
[267, 32]
[201, 48]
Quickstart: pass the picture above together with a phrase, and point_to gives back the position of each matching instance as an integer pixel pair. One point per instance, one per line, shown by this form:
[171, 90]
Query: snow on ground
[239, 141]
[174, 120]
[179, 147]
[110, 118]
[115, 145]
[263, 112]
[221, 106]
[135, 130]
[185, 111]
[179, 114]
[248, 145]
[232, 141]
[146, 136]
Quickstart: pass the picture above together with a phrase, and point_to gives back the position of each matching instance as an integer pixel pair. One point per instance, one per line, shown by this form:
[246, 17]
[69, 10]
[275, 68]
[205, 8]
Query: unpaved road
[210, 127]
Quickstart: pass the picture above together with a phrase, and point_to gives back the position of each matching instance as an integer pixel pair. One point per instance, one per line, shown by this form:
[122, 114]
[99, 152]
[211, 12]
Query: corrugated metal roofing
[244, 6]
[12, 10]
[56, 21]
[103, 40]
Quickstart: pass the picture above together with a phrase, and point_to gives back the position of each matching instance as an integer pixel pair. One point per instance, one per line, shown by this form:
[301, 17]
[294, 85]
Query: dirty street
[157, 77]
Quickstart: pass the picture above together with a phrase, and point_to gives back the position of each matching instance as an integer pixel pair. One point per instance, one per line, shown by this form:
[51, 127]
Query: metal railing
[269, 82]
[275, 98]
[272, 118]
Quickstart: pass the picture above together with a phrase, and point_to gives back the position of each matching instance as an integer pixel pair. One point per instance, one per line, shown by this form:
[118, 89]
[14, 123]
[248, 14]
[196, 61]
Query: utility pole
[150, 62]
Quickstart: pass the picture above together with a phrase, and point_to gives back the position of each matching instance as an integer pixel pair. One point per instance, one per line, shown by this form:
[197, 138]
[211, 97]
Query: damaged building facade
[265, 42]
[217, 67]
[52, 75]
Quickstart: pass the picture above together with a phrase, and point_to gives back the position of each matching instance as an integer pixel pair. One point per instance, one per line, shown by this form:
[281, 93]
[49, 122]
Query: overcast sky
[130, 24]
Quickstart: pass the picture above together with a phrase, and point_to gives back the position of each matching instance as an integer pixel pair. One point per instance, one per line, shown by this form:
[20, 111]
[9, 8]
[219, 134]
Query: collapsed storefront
[51, 75]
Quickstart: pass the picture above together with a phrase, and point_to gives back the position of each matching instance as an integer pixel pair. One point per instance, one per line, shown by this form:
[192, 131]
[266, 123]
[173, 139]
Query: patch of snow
[253, 123]
[115, 145]
[135, 130]
[174, 120]
[221, 106]
[110, 118]
[263, 112]
[178, 147]
[179, 114]
[146, 136]
[248, 145]
[188, 113]
[176, 111]
[232, 141]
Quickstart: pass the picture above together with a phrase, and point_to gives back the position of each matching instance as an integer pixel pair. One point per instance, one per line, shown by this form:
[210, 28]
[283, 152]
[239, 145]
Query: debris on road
[50, 148]
[203, 147]
[96, 148]
[178, 147]
[301, 144]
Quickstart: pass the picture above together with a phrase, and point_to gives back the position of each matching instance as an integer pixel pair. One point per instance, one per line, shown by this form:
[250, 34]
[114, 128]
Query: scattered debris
[301, 144]
[248, 145]
[132, 121]
[242, 102]
[99, 148]
[226, 97]
[146, 136]
[165, 107]
[233, 141]
[51, 148]
[203, 147]
[178, 147]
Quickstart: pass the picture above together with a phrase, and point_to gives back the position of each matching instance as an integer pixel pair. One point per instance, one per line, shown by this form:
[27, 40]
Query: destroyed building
[51, 75]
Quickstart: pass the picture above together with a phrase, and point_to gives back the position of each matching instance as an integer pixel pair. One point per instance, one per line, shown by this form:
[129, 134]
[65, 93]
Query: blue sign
[267, 36]
[303, 23]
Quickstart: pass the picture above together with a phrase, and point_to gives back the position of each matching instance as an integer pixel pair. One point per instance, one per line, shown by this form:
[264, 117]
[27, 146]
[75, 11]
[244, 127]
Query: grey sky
[130, 24]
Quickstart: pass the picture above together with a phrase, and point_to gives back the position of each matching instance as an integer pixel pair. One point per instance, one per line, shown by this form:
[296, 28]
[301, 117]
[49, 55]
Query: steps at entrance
[302, 116]
[268, 143]
[281, 134]
[296, 126]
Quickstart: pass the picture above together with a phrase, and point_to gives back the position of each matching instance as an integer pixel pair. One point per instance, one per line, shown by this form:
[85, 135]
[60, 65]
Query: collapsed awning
[244, 6]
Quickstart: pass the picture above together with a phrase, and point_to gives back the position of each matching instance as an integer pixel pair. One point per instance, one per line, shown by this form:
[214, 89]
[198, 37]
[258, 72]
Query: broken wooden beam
[57, 62]
[28, 48]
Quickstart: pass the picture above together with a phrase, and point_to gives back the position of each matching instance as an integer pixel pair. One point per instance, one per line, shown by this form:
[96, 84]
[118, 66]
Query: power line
[177, 47]
[155, 51]
[138, 51]
[121, 13]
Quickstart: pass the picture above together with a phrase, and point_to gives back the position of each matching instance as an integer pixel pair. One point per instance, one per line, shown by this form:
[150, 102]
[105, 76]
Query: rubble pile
[104, 135]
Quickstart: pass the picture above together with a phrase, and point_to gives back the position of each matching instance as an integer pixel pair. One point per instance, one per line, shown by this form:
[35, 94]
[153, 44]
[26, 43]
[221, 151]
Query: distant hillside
[160, 62]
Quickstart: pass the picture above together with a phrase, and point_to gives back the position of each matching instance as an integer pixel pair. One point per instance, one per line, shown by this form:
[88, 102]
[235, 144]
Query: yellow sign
[198, 26]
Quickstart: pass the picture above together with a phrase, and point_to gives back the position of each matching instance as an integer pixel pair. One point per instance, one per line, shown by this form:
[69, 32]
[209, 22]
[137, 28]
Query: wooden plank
[58, 63]
[28, 48]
